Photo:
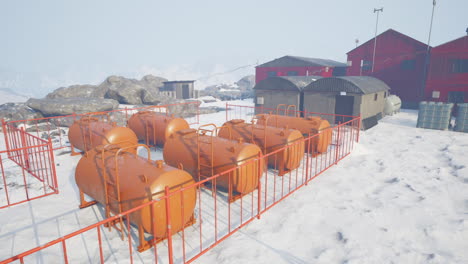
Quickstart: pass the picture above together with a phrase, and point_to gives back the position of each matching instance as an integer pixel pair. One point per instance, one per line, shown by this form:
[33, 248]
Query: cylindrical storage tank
[154, 128]
[139, 180]
[269, 139]
[216, 155]
[89, 132]
[392, 105]
[307, 126]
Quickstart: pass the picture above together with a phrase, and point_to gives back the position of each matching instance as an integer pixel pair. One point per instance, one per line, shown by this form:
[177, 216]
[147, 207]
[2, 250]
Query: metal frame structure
[55, 125]
[33, 160]
[217, 218]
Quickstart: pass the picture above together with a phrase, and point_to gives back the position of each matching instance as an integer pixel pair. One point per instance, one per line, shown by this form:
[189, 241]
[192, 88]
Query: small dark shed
[347, 95]
[181, 89]
[273, 91]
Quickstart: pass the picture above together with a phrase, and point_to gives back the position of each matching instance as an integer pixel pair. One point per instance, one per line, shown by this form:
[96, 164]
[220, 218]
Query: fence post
[359, 128]
[25, 149]
[52, 166]
[308, 155]
[4, 181]
[337, 143]
[169, 227]
[259, 184]
[226, 112]
[5, 131]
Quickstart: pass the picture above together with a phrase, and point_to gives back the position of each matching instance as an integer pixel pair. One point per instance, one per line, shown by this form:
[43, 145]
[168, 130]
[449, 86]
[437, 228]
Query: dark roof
[295, 61]
[290, 83]
[349, 84]
[394, 32]
[188, 81]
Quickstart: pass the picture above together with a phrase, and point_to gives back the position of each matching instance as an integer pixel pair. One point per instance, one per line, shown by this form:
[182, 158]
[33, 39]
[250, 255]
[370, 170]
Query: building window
[272, 74]
[459, 65]
[366, 65]
[408, 65]
[456, 97]
[339, 71]
[375, 97]
[385, 95]
[292, 73]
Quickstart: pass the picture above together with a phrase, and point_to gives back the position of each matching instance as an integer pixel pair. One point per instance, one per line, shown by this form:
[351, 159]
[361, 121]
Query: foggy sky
[49, 43]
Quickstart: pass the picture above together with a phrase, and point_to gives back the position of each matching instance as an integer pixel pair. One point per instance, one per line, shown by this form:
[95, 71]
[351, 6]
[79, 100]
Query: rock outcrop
[132, 91]
[18, 111]
[121, 89]
[68, 106]
[74, 91]
[152, 83]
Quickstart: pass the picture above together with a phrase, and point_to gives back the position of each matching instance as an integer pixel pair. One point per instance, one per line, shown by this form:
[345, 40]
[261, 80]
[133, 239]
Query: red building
[399, 62]
[447, 80]
[299, 66]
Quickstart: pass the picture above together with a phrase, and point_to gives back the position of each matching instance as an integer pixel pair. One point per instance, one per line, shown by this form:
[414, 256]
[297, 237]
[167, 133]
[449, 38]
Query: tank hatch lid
[236, 121]
[187, 131]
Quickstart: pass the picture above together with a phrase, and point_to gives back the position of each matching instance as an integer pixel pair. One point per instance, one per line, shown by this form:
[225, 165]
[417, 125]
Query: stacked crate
[461, 124]
[434, 115]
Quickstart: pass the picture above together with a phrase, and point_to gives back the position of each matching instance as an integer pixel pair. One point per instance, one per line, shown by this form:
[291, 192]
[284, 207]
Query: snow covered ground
[400, 197]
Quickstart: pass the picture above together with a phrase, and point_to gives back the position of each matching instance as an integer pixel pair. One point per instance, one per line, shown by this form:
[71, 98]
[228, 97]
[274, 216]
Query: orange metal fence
[56, 128]
[216, 217]
[27, 167]
[244, 112]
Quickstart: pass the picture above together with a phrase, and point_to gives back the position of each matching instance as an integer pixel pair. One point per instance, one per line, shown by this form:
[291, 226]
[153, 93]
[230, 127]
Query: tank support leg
[234, 196]
[282, 170]
[147, 244]
[73, 152]
[144, 245]
[84, 203]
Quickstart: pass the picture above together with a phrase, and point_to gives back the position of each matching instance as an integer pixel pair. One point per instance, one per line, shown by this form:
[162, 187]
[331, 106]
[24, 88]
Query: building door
[185, 91]
[343, 106]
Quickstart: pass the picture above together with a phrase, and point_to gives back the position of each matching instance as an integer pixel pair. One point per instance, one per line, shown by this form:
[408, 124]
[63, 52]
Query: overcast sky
[45, 44]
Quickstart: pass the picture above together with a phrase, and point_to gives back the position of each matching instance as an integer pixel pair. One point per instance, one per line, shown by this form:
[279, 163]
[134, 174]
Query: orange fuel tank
[307, 126]
[154, 128]
[89, 132]
[210, 155]
[269, 139]
[111, 171]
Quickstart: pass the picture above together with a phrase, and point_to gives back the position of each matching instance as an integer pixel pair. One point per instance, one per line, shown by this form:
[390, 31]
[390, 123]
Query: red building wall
[261, 73]
[445, 72]
[399, 62]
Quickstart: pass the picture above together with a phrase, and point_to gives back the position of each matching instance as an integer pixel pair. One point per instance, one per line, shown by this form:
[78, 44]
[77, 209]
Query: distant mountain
[10, 96]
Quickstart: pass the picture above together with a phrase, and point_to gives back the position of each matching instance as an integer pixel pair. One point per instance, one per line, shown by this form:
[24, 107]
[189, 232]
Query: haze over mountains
[38, 85]
[9, 96]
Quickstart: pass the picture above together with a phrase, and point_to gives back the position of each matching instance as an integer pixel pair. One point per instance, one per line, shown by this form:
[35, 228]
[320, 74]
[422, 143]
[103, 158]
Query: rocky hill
[239, 90]
[114, 90]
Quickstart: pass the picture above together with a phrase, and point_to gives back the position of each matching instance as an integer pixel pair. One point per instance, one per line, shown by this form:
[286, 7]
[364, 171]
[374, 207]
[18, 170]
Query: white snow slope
[400, 197]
